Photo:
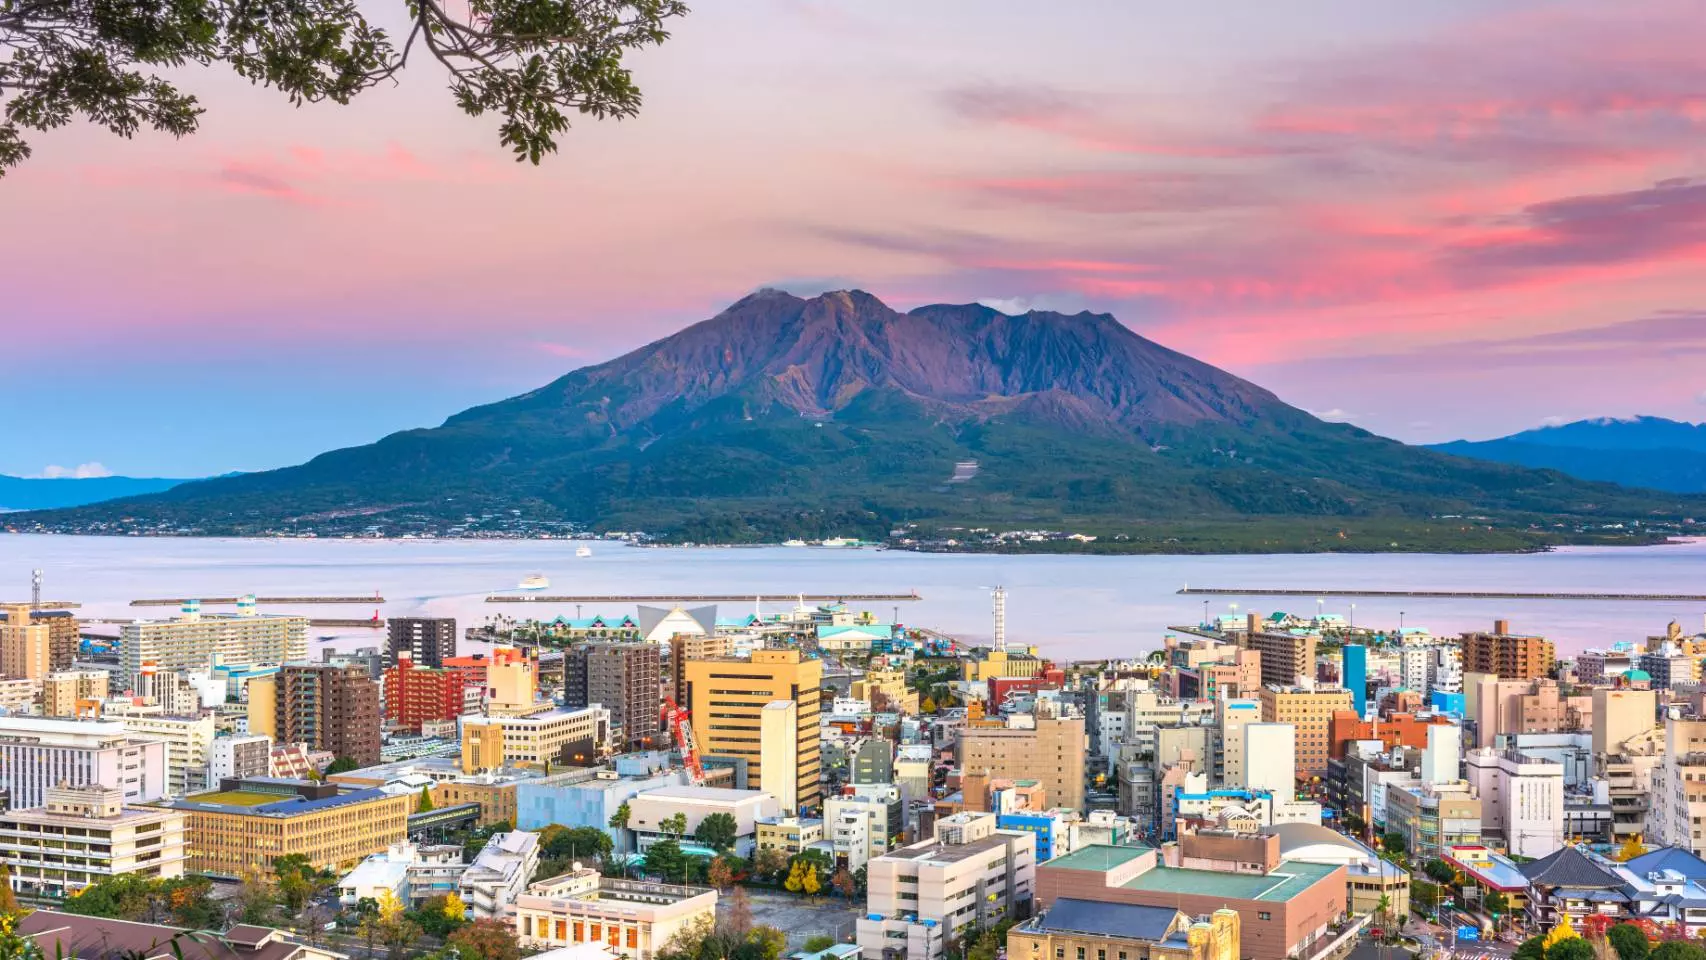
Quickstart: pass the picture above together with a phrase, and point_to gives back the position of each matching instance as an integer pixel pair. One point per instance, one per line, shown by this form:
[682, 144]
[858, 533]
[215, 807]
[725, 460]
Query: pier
[232, 601]
[1443, 594]
[705, 597]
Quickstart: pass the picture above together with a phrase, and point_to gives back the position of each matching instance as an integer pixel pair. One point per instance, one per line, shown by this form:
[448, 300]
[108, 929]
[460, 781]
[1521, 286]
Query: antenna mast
[35, 589]
[1000, 597]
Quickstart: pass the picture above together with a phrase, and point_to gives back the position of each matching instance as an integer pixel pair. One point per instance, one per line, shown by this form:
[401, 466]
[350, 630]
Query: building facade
[626, 917]
[37, 754]
[1311, 712]
[239, 829]
[623, 678]
[924, 895]
[417, 694]
[194, 640]
[82, 835]
[727, 698]
[328, 708]
[1052, 752]
[1506, 655]
[429, 641]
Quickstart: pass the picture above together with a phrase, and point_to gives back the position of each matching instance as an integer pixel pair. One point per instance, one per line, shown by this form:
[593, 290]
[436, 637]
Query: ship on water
[583, 551]
[535, 581]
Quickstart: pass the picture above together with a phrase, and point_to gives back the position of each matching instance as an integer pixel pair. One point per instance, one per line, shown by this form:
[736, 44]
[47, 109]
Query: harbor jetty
[703, 597]
[232, 601]
[1441, 594]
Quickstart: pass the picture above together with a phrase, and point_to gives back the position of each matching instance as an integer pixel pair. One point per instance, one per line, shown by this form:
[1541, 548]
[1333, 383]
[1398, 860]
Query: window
[1264, 915]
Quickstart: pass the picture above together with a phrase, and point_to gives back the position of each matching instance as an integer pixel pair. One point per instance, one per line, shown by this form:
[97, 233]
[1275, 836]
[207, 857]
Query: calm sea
[1069, 607]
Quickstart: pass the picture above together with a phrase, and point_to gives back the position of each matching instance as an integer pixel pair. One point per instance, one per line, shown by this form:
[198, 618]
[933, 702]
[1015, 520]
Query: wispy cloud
[83, 471]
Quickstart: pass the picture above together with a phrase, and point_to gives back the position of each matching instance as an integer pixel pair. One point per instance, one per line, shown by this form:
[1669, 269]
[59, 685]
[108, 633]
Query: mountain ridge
[785, 416]
[1652, 452]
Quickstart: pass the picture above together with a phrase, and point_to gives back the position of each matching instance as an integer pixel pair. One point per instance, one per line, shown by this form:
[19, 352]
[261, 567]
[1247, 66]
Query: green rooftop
[1099, 857]
[237, 798]
[1290, 879]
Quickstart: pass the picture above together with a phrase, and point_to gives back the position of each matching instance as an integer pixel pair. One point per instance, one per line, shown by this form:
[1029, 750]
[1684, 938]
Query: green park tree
[1629, 941]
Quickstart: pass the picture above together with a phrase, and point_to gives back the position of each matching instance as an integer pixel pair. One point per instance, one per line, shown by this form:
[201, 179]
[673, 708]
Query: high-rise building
[1287, 659]
[778, 735]
[1678, 808]
[1619, 715]
[970, 875]
[1269, 752]
[25, 646]
[429, 641]
[1522, 800]
[327, 708]
[1231, 717]
[1356, 676]
[415, 695]
[1311, 712]
[512, 683]
[1507, 655]
[73, 693]
[685, 648]
[621, 676]
[63, 634]
[727, 697]
[187, 740]
[37, 753]
[191, 642]
[1051, 753]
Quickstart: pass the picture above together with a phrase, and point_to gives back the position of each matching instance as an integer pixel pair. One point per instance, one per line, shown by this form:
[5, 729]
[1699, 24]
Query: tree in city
[487, 938]
[1632, 848]
[1534, 948]
[1629, 941]
[810, 885]
[1671, 950]
[1439, 871]
[986, 946]
[666, 859]
[762, 943]
[342, 765]
[1394, 844]
[619, 819]
[425, 803]
[14, 945]
[675, 825]
[1355, 824]
[736, 919]
[796, 877]
[297, 880]
[716, 830]
[688, 941]
[256, 897]
[1573, 948]
[818, 943]
[769, 863]
[721, 873]
[9, 900]
[842, 882]
[440, 916]
[532, 63]
[927, 706]
[1383, 916]
[1496, 903]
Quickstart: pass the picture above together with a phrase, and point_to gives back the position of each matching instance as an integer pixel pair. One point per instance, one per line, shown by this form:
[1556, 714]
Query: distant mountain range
[837, 416]
[32, 493]
[1649, 452]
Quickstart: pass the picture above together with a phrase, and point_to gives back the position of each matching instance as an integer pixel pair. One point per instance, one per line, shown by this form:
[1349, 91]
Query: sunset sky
[1436, 220]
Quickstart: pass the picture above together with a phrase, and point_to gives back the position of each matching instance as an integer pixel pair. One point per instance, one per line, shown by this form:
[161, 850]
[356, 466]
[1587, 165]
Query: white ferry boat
[537, 581]
[583, 551]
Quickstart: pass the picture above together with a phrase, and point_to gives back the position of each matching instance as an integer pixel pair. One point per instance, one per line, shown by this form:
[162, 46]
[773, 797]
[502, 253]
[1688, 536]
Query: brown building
[1285, 909]
[683, 648]
[1052, 754]
[1507, 655]
[25, 643]
[1083, 928]
[1311, 712]
[1396, 730]
[429, 641]
[1287, 659]
[622, 677]
[328, 708]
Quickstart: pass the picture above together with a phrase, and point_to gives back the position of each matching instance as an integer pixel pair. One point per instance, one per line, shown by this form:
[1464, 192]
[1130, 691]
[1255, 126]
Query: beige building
[1001, 663]
[263, 705]
[85, 834]
[73, 693]
[19, 696]
[727, 698]
[1052, 754]
[194, 639]
[563, 737]
[1311, 713]
[188, 741]
[1679, 788]
[1287, 659]
[1619, 715]
[25, 645]
[789, 835]
[890, 685]
[778, 746]
[1106, 931]
[630, 919]
[240, 829]
[923, 895]
[684, 648]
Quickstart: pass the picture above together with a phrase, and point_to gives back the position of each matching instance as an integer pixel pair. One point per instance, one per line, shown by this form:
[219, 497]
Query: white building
[194, 639]
[631, 919]
[499, 874]
[240, 756]
[1678, 810]
[1270, 758]
[187, 741]
[1232, 715]
[37, 753]
[413, 874]
[1437, 667]
[857, 827]
[647, 811]
[779, 748]
[1442, 758]
[923, 895]
[82, 835]
[1522, 800]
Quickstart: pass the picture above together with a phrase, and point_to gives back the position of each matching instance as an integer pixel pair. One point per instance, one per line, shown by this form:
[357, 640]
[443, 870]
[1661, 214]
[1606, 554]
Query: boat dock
[232, 601]
[703, 597]
[1442, 594]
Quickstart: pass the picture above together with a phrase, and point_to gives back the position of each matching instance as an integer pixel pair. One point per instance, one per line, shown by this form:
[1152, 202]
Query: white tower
[1000, 597]
[35, 589]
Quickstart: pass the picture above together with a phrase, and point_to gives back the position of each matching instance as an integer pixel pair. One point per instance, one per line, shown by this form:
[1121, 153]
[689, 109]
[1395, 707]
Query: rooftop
[939, 852]
[262, 803]
[1099, 857]
[1288, 880]
[1124, 920]
[706, 794]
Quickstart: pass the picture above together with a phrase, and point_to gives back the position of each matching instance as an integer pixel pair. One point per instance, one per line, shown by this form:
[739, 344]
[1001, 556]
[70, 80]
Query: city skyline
[1434, 223]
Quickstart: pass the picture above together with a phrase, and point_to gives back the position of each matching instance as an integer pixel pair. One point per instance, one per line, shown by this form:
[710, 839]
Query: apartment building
[567, 737]
[38, 753]
[623, 678]
[789, 835]
[81, 835]
[1506, 655]
[73, 693]
[684, 648]
[499, 874]
[857, 828]
[417, 694]
[25, 645]
[1311, 712]
[628, 918]
[428, 641]
[64, 633]
[193, 640]
[1679, 788]
[187, 740]
[727, 698]
[1434, 817]
[239, 829]
[238, 757]
[328, 708]
[1287, 659]
[1052, 753]
[1522, 800]
[969, 875]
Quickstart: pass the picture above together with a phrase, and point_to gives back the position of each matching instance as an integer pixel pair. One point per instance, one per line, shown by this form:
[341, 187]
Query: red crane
[682, 730]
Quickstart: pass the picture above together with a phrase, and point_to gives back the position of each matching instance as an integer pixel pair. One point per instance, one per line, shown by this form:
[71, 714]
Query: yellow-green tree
[454, 908]
[811, 885]
[796, 878]
[1632, 848]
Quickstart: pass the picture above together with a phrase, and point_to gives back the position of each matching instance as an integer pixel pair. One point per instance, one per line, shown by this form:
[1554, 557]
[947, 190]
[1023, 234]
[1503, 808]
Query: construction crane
[682, 730]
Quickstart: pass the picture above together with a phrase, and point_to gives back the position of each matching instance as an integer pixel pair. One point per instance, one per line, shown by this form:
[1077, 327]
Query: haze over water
[1069, 607]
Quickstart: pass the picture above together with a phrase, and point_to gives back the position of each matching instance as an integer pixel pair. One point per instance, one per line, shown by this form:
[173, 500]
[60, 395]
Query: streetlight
[1353, 618]
[1205, 613]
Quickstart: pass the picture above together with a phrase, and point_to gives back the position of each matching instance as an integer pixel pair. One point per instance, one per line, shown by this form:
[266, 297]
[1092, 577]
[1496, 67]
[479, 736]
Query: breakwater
[1440, 594]
[232, 601]
[703, 597]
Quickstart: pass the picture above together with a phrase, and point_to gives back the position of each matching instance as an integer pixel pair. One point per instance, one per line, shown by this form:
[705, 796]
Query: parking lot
[799, 918]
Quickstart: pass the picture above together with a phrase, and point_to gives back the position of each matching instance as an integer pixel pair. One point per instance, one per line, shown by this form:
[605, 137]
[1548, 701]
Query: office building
[648, 811]
[1052, 753]
[1231, 717]
[622, 677]
[37, 753]
[499, 873]
[81, 835]
[512, 683]
[64, 633]
[194, 640]
[1678, 808]
[727, 698]
[239, 829]
[187, 741]
[629, 919]
[328, 708]
[73, 693]
[778, 749]
[416, 695]
[1286, 907]
[1355, 676]
[1522, 800]
[25, 645]
[565, 737]
[1288, 659]
[429, 641]
[856, 827]
[924, 895]
[1311, 712]
[1084, 928]
[238, 757]
[1621, 715]
[685, 648]
[1506, 655]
